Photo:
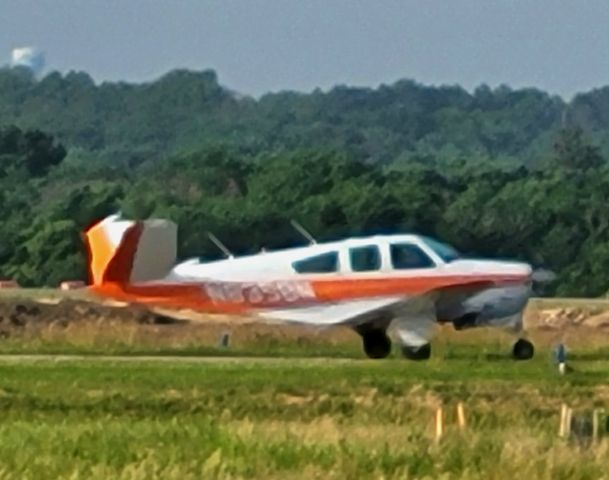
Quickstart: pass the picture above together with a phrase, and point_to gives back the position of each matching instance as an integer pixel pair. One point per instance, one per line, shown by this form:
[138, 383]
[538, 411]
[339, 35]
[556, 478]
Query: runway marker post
[561, 358]
[439, 424]
[564, 430]
[595, 424]
[461, 416]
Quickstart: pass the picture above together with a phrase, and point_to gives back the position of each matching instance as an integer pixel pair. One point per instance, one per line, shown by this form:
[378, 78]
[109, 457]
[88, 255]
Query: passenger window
[405, 256]
[365, 259]
[324, 263]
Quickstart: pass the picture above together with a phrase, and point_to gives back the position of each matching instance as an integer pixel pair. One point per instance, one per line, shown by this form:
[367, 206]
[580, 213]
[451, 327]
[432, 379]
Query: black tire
[376, 344]
[417, 353]
[523, 350]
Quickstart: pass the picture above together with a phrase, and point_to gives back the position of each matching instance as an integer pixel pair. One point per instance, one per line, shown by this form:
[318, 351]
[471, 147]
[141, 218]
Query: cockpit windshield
[444, 251]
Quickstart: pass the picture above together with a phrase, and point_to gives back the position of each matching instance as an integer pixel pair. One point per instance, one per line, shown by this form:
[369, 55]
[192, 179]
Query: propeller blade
[541, 275]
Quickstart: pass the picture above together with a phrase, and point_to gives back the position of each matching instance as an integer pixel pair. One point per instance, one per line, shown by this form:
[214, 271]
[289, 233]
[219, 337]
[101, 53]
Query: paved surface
[13, 358]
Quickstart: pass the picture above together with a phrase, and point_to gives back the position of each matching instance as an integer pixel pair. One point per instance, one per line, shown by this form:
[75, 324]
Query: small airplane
[403, 284]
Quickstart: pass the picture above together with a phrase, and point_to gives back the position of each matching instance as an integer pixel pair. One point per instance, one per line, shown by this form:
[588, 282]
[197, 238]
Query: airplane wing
[413, 318]
[350, 313]
[360, 311]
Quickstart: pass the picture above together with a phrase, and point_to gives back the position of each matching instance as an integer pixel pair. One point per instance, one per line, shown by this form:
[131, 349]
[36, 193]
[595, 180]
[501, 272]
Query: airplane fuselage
[479, 292]
[406, 283]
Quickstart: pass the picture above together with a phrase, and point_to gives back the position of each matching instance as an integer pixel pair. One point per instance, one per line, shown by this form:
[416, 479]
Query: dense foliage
[554, 216]
[134, 123]
[491, 173]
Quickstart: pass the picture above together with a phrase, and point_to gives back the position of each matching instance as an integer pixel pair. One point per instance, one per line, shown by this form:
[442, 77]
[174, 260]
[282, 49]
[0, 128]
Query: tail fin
[125, 251]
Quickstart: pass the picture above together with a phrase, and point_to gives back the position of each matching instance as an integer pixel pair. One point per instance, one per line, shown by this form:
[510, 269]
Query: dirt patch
[27, 314]
[22, 313]
[567, 318]
[88, 322]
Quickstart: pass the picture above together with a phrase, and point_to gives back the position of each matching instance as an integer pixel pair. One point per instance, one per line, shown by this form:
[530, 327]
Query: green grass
[316, 409]
[294, 418]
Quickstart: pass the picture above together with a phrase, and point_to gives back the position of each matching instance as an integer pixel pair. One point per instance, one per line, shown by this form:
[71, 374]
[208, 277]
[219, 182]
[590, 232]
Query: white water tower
[29, 57]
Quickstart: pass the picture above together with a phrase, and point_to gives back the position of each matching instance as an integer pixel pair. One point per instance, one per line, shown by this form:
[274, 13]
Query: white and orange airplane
[399, 284]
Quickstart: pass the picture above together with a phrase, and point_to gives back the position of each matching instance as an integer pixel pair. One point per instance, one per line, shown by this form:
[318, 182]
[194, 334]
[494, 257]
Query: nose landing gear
[422, 352]
[523, 350]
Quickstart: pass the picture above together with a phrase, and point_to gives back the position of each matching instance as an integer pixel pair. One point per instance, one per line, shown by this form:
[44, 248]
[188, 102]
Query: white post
[562, 429]
[439, 424]
[461, 415]
[595, 424]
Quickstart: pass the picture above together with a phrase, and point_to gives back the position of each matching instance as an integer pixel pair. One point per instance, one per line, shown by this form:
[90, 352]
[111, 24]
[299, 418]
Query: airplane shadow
[504, 357]
[590, 357]
[493, 357]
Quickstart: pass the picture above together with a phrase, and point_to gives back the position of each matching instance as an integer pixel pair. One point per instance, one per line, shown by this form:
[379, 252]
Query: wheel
[376, 344]
[422, 352]
[523, 350]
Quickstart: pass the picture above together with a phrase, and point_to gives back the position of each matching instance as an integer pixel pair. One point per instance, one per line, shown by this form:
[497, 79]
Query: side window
[405, 256]
[365, 259]
[324, 263]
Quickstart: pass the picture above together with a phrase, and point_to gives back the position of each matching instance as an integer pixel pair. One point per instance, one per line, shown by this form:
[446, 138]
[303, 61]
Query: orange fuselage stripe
[196, 296]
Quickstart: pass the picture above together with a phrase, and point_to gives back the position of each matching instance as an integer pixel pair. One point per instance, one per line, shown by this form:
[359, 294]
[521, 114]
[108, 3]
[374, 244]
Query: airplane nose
[522, 271]
[517, 268]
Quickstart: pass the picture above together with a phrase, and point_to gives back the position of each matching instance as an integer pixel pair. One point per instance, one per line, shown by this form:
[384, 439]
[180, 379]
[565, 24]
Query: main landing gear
[523, 350]
[376, 343]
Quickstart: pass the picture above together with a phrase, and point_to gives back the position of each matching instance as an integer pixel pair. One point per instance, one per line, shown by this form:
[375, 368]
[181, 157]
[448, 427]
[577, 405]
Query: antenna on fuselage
[303, 232]
[220, 245]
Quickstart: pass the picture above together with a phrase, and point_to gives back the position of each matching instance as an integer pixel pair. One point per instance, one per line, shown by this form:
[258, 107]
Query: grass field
[294, 418]
[285, 402]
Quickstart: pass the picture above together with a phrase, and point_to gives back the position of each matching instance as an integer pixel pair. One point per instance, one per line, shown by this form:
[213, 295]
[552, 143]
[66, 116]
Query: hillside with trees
[491, 172]
[185, 110]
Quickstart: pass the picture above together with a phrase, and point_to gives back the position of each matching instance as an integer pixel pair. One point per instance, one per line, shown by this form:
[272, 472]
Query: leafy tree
[188, 111]
[49, 253]
[573, 152]
[32, 151]
[467, 168]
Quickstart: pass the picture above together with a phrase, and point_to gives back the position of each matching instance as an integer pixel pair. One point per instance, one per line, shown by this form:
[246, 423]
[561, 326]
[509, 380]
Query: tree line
[135, 123]
[551, 213]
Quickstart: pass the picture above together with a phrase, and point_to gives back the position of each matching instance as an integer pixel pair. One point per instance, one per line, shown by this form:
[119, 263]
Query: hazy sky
[263, 45]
